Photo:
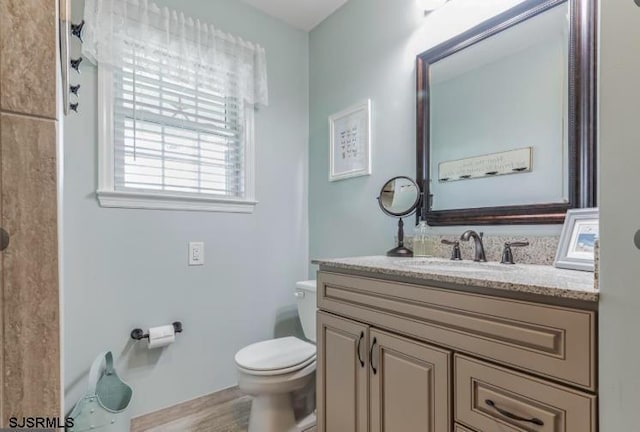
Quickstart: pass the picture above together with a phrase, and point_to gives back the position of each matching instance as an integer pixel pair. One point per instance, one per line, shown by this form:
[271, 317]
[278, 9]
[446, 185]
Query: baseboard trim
[197, 407]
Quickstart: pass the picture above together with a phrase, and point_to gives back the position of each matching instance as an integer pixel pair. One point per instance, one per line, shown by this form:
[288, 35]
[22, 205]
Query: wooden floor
[232, 416]
[227, 411]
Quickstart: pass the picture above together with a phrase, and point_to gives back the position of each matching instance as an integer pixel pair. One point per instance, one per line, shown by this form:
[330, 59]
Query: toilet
[272, 370]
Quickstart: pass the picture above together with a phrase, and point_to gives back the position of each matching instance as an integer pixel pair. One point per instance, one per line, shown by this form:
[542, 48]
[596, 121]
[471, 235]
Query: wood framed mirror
[514, 95]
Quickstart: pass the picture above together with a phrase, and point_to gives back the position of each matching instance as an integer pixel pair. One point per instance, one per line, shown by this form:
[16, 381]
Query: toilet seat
[276, 356]
[277, 372]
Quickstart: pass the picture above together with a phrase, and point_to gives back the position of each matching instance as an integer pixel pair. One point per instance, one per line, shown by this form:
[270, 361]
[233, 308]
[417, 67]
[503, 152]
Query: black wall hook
[139, 334]
[74, 107]
[74, 89]
[75, 64]
[76, 30]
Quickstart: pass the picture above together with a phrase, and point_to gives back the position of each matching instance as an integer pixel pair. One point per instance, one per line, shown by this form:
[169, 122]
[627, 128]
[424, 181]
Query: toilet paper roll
[161, 336]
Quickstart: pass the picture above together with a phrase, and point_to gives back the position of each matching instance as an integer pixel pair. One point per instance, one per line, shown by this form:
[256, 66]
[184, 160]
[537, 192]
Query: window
[176, 100]
[171, 143]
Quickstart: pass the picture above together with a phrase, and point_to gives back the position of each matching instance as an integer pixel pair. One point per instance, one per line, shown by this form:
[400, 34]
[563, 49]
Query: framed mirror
[506, 118]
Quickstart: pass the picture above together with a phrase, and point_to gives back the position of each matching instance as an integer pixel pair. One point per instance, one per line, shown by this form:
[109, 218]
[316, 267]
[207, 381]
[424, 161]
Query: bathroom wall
[127, 268]
[367, 49]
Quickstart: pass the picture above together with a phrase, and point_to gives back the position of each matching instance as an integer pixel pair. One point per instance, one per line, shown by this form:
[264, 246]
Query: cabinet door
[410, 385]
[343, 388]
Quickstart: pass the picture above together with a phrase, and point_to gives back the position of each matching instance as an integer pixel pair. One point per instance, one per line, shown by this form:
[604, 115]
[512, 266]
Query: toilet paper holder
[139, 334]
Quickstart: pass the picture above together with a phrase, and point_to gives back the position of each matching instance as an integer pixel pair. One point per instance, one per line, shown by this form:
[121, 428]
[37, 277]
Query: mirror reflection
[499, 118]
[399, 196]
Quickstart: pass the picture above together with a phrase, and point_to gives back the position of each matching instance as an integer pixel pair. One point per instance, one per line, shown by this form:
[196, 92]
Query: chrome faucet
[477, 238]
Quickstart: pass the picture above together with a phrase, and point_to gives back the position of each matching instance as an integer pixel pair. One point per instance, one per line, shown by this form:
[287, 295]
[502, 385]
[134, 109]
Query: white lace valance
[119, 29]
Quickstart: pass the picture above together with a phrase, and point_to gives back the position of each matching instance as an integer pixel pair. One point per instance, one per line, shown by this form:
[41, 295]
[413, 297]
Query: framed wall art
[350, 142]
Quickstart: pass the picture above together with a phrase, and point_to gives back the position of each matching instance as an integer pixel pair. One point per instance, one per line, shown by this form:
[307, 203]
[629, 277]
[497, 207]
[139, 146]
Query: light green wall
[367, 49]
[126, 268]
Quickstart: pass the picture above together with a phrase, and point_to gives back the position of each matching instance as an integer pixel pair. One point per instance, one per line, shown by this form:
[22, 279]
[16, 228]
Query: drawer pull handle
[512, 416]
[373, 369]
[360, 343]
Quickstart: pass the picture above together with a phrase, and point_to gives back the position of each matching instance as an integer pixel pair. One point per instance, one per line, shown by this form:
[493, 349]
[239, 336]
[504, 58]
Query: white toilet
[271, 370]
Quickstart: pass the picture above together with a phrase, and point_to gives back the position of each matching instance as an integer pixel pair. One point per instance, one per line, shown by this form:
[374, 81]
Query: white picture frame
[576, 250]
[350, 142]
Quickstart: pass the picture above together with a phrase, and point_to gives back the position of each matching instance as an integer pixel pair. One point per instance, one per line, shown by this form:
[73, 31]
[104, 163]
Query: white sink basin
[440, 265]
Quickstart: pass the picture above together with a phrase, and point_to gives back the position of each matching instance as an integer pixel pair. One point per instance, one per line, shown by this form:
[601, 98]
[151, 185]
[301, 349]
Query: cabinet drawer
[490, 398]
[460, 428]
[552, 341]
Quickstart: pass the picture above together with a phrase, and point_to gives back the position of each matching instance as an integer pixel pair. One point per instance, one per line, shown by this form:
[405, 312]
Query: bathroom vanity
[431, 345]
[505, 115]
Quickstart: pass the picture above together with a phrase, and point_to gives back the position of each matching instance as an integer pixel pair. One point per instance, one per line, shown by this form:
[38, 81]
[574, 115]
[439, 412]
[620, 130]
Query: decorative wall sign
[350, 142]
[577, 242]
[491, 165]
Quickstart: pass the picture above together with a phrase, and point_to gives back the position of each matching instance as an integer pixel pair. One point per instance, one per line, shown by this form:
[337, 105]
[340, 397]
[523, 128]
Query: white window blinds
[176, 98]
[175, 135]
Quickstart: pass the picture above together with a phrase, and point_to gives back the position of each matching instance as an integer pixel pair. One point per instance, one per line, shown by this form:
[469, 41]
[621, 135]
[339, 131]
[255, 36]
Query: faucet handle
[456, 255]
[507, 253]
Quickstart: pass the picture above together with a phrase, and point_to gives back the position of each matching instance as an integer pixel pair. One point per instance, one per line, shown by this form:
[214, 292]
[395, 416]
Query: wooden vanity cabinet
[372, 380]
[399, 357]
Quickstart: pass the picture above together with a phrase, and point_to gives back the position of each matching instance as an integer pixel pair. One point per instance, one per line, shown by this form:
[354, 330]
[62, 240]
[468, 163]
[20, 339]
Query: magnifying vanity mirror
[506, 118]
[400, 197]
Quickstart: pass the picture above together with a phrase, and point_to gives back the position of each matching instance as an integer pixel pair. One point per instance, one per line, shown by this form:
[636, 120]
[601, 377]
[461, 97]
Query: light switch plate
[196, 253]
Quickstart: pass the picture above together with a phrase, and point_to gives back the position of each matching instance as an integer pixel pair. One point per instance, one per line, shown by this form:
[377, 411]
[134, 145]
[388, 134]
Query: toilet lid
[275, 354]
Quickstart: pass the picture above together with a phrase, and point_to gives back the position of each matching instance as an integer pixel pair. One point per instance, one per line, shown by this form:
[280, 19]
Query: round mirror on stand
[400, 197]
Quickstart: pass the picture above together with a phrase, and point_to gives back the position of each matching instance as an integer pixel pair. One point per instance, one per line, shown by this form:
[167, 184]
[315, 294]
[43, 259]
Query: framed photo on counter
[576, 250]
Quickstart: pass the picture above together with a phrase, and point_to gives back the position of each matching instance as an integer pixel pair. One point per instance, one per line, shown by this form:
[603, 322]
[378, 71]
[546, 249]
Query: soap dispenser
[421, 241]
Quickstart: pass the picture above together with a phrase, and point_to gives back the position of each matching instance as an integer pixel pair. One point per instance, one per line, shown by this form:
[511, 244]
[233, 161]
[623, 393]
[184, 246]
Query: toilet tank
[306, 296]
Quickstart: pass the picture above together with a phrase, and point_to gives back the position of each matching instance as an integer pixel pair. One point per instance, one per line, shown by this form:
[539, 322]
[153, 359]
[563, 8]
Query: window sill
[156, 201]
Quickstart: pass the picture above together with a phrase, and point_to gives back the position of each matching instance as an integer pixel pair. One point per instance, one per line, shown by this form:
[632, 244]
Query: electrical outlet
[196, 253]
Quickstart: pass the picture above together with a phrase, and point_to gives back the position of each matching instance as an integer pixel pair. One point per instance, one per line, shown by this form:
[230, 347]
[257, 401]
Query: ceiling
[302, 14]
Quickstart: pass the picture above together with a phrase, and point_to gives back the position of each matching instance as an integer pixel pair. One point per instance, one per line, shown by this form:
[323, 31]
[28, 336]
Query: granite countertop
[524, 278]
